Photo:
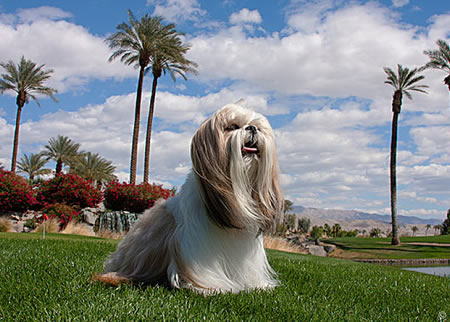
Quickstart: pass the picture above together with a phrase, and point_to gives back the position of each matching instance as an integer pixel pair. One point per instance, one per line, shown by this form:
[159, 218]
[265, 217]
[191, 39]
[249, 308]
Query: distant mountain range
[353, 215]
[352, 219]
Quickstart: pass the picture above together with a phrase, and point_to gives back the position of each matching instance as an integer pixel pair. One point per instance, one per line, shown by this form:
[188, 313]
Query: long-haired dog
[209, 236]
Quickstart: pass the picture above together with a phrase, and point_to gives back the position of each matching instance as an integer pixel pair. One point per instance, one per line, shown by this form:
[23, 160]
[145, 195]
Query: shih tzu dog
[209, 236]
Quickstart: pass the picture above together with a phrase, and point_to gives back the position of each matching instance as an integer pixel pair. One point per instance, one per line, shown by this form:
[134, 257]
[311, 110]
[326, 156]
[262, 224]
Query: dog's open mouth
[250, 148]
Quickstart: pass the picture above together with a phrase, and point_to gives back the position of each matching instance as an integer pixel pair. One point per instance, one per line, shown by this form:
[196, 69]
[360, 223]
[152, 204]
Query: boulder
[316, 250]
[89, 216]
[329, 248]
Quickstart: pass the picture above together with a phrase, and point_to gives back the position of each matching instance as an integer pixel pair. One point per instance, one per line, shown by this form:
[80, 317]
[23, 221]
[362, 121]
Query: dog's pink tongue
[250, 150]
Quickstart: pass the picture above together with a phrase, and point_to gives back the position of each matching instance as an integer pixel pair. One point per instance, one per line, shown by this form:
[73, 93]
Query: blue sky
[314, 68]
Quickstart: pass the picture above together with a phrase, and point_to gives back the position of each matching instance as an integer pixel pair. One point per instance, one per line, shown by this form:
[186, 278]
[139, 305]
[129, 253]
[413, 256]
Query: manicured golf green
[381, 248]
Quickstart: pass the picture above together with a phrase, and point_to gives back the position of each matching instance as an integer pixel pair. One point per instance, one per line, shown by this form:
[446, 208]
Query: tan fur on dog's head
[234, 158]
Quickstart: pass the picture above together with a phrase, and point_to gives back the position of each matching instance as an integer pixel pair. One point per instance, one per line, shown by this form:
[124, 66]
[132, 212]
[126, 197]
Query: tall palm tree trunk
[149, 130]
[137, 118]
[59, 166]
[16, 138]
[396, 107]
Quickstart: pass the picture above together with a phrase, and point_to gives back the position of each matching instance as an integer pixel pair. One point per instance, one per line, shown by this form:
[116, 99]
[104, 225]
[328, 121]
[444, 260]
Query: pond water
[433, 270]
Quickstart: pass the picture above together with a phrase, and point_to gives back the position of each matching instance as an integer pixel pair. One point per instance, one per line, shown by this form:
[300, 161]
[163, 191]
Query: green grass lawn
[373, 248]
[51, 280]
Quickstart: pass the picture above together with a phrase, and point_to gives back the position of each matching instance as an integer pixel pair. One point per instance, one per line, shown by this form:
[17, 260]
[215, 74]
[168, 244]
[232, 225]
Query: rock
[316, 250]
[30, 214]
[329, 248]
[17, 226]
[27, 229]
[296, 239]
[101, 207]
[89, 216]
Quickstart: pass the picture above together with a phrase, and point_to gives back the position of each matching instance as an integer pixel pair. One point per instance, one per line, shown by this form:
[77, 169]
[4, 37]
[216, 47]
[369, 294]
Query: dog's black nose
[251, 128]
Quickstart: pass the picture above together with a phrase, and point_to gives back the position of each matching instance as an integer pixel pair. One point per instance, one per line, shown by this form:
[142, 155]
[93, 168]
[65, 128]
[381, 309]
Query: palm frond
[405, 79]
[93, 167]
[440, 58]
[61, 148]
[392, 77]
[27, 78]
[33, 165]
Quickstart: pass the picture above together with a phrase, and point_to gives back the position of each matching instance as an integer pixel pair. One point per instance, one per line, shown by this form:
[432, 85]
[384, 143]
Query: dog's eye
[232, 127]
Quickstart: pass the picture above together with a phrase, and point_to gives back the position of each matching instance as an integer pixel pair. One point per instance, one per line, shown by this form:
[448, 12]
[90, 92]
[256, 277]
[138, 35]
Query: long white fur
[220, 260]
[177, 239]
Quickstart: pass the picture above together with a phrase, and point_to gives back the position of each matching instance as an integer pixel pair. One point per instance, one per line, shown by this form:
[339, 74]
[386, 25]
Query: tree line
[63, 151]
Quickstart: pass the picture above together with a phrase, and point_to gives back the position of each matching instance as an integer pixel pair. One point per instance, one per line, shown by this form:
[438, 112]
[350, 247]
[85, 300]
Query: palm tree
[445, 226]
[375, 232]
[287, 206]
[440, 59]
[436, 228]
[27, 80]
[33, 165]
[428, 227]
[62, 150]
[414, 229]
[93, 167]
[133, 46]
[403, 82]
[336, 230]
[167, 56]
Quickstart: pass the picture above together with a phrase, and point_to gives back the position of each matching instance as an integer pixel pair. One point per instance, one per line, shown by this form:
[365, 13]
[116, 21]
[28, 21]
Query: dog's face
[234, 158]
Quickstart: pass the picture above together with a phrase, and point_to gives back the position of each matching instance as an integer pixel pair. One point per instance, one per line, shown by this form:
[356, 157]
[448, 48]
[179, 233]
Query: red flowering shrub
[60, 211]
[69, 189]
[133, 198]
[15, 193]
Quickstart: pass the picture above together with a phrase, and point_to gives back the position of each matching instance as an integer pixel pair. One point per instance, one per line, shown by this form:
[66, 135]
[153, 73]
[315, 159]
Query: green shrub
[133, 198]
[375, 232]
[304, 224]
[289, 220]
[316, 232]
[68, 189]
[15, 193]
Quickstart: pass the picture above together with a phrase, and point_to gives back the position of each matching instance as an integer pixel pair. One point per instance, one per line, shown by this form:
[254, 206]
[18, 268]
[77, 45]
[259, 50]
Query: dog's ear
[210, 163]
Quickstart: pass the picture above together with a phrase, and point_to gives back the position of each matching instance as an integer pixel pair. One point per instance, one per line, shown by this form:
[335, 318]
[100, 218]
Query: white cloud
[430, 213]
[307, 16]
[399, 3]
[173, 109]
[344, 56]
[41, 13]
[332, 151]
[74, 54]
[177, 10]
[246, 16]
[432, 141]
[413, 195]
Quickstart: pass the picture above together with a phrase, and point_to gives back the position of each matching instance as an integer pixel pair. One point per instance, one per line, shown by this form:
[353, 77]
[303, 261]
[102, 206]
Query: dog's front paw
[111, 278]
